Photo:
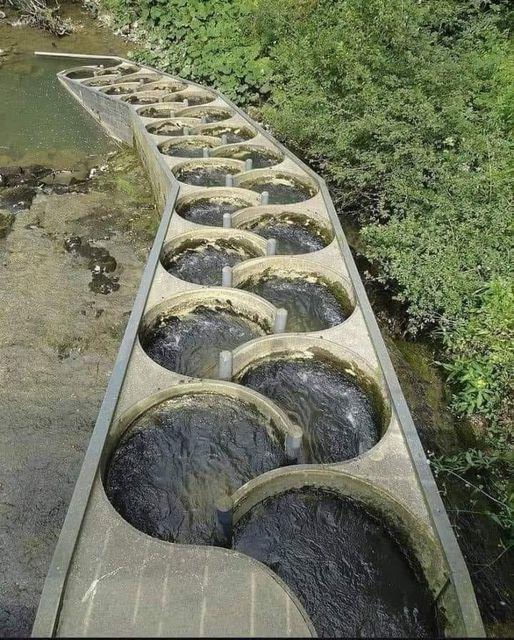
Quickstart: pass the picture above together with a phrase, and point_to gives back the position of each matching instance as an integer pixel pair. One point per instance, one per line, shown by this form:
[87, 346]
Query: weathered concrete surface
[58, 341]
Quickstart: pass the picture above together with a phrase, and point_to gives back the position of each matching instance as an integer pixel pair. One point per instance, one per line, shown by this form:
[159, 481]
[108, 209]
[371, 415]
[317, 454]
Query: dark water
[351, 574]
[157, 112]
[338, 417]
[210, 211]
[139, 99]
[173, 128]
[206, 176]
[311, 306]
[99, 261]
[292, 238]
[186, 149]
[202, 261]
[181, 456]
[260, 157]
[191, 343]
[234, 134]
[192, 99]
[282, 190]
[212, 115]
[119, 90]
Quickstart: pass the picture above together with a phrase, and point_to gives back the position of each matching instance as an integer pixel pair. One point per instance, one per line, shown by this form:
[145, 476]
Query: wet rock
[14, 176]
[66, 178]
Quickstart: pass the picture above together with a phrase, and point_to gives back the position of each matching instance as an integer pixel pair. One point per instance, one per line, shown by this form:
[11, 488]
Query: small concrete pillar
[203, 119]
[227, 220]
[265, 198]
[293, 445]
[280, 321]
[206, 152]
[185, 102]
[186, 131]
[248, 164]
[271, 247]
[224, 139]
[229, 180]
[225, 365]
[225, 516]
[226, 277]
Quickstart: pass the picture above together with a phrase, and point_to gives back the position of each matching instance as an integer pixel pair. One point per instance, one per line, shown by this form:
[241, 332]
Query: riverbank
[72, 250]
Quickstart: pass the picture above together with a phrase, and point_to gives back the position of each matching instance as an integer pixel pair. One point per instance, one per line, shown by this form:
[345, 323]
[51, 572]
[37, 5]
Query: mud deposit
[210, 211]
[311, 306]
[99, 261]
[206, 176]
[351, 574]
[282, 190]
[202, 262]
[191, 343]
[291, 238]
[180, 457]
[338, 418]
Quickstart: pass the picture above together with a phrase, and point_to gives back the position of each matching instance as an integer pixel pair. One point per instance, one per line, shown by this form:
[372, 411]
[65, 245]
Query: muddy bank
[58, 342]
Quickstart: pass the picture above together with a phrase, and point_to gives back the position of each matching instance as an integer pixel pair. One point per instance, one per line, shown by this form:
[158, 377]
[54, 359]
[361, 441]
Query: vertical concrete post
[227, 220]
[185, 131]
[265, 198]
[248, 164]
[225, 365]
[206, 152]
[185, 102]
[226, 277]
[271, 247]
[280, 321]
[224, 513]
[229, 180]
[293, 445]
[224, 139]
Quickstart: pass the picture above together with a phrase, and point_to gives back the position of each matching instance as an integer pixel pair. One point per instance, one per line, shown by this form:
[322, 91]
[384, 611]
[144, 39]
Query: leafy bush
[204, 41]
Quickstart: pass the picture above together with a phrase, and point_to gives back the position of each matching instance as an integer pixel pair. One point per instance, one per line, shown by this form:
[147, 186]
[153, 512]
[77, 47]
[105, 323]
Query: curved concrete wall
[107, 578]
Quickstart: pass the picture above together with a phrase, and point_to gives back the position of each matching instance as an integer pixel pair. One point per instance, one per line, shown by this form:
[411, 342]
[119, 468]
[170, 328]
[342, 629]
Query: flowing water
[338, 417]
[281, 189]
[352, 575]
[190, 343]
[311, 305]
[292, 237]
[202, 261]
[210, 211]
[205, 176]
[259, 156]
[233, 134]
[179, 457]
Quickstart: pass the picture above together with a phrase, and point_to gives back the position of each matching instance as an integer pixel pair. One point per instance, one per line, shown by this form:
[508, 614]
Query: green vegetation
[407, 108]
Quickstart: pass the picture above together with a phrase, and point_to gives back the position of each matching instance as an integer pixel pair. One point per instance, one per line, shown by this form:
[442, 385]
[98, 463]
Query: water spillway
[254, 469]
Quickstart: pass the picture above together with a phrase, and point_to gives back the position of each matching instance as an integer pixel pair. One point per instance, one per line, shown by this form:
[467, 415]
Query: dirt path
[58, 342]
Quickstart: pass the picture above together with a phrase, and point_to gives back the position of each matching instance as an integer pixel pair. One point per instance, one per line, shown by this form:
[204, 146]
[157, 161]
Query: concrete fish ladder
[106, 577]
